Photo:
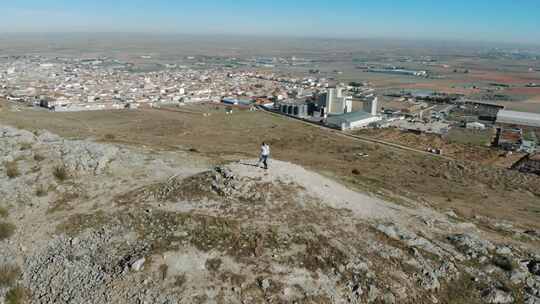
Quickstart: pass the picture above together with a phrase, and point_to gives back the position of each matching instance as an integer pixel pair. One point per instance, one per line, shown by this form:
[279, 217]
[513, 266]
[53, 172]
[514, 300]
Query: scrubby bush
[61, 173]
[8, 275]
[163, 270]
[12, 169]
[505, 263]
[213, 264]
[26, 146]
[180, 280]
[6, 230]
[41, 191]
[17, 295]
[38, 157]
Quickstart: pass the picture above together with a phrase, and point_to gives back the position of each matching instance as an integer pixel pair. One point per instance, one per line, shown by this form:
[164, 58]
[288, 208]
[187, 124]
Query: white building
[353, 120]
[371, 105]
[356, 120]
[475, 126]
[518, 118]
[336, 102]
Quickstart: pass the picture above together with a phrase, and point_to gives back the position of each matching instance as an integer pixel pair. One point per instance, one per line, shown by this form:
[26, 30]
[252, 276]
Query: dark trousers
[264, 160]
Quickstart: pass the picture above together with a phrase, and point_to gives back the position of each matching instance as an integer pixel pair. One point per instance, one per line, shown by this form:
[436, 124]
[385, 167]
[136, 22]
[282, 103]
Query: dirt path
[331, 193]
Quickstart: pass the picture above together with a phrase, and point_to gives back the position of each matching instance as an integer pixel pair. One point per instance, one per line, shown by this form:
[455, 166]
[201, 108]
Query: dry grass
[109, 137]
[460, 144]
[213, 265]
[61, 173]
[401, 173]
[26, 146]
[6, 230]
[38, 157]
[193, 188]
[234, 279]
[470, 137]
[461, 291]
[62, 203]
[206, 233]
[320, 254]
[18, 295]
[41, 191]
[180, 280]
[163, 270]
[12, 169]
[3, 212]
[8, 275]
[505, 263]
[77, 223]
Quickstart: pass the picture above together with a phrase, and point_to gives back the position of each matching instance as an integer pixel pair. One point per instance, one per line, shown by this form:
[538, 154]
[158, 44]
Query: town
[91, 84]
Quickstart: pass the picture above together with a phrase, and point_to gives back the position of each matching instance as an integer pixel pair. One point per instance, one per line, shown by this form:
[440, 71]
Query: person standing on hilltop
[265, 153]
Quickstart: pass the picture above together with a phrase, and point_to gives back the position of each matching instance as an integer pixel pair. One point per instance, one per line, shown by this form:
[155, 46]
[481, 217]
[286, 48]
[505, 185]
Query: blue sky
[482, 20]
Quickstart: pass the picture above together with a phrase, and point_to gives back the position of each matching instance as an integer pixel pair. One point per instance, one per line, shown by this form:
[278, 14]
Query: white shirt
[265, 150]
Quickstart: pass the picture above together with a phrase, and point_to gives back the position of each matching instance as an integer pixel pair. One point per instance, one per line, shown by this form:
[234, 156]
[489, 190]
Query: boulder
[532, 286]
[531, 299]
[517, 276]
[410, 238]
[47, 137]
[534, 267]
[471, 245]
[138, 264]
[494, 295]
[503, 250]
[87, 156]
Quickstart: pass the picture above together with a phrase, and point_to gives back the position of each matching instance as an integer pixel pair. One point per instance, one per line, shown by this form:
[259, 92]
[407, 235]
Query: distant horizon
[397, 40]
[492, 21]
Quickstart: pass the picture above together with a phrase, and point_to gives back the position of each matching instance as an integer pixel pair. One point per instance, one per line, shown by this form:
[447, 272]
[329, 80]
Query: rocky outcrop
[79, 270]
[124, 229]
[471, 245]
[495, 295]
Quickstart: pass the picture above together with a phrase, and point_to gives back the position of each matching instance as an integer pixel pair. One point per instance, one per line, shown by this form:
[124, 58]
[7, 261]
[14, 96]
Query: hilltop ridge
[106, 223]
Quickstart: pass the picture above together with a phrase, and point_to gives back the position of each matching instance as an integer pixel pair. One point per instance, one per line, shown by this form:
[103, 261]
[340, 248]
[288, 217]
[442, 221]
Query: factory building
[356, 120]
[292, 108]
[509, 139]
[335, 102]
[236, 102]
[484, 111]
[518, 118]
[400, 72]
[352, 120]
[371, 105]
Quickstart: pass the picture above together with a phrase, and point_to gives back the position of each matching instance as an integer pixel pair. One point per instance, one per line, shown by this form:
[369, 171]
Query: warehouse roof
[518, 118]
[349, 117]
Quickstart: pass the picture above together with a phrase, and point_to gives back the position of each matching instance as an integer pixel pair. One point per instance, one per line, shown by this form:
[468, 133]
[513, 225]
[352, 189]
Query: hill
[90, 222]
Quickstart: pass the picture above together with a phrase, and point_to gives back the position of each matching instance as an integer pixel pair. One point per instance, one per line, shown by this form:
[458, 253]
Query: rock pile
[80, 269]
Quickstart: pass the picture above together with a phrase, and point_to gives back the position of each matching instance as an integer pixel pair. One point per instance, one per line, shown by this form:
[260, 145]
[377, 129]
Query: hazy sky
[484, 20]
